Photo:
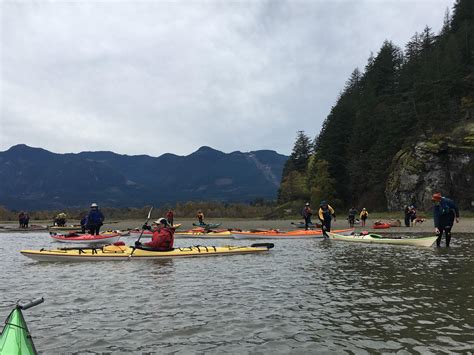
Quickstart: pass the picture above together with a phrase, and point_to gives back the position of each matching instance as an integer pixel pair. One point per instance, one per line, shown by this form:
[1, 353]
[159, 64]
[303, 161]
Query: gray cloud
[154, 77]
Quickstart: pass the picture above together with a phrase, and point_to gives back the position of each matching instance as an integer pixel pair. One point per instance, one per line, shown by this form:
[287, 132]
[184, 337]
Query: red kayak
[104, 238]
[381, 226]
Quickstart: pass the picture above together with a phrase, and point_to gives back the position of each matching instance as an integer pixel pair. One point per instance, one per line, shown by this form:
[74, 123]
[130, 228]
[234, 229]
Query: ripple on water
[305, 296]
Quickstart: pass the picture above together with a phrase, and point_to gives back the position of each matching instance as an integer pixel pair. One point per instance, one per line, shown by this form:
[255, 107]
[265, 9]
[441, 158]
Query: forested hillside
[405, 100]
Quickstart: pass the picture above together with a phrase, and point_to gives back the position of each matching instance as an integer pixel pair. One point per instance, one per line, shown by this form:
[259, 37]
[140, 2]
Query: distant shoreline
[465, 225]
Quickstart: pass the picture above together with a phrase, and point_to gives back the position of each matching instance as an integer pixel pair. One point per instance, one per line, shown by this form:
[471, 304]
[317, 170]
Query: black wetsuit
[444, 215]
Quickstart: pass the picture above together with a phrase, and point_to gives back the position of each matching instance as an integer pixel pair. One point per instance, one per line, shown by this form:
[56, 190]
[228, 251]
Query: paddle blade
[149, 212]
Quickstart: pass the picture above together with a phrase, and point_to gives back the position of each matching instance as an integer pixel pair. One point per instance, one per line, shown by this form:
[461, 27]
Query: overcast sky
[151, 77]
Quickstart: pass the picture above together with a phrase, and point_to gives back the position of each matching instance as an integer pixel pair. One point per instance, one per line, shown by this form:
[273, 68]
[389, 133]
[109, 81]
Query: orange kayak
[293, 234]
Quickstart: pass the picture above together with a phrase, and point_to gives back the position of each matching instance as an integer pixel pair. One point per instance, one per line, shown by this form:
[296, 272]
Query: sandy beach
[465, 225]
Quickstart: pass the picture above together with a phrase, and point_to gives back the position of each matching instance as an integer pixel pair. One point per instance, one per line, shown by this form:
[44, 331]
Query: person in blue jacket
[95, 219]
[84, 223]
[445, 212]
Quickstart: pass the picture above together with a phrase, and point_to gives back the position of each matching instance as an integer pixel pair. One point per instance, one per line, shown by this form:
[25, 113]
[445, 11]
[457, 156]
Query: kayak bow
[15, 337]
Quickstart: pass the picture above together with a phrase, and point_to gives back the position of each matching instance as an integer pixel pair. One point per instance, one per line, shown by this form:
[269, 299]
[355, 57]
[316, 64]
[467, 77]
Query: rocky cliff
[439, 163]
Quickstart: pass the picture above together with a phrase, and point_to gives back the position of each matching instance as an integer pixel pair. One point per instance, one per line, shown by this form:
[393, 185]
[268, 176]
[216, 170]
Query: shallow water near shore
[304, 296]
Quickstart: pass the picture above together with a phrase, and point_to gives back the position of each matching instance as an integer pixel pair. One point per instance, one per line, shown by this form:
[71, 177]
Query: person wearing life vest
[200, 217]
[162, 238]
[170, 217]
[363, 216]
[445, 211]
[352, 216]
[60, 219]
[95, 219]
[326, 214]
[307, 213]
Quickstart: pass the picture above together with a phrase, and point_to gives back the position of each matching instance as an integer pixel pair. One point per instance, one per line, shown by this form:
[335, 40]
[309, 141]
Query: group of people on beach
[90, 222]
[23, 219]
[410, 215]
[326, 214]
[445, 212]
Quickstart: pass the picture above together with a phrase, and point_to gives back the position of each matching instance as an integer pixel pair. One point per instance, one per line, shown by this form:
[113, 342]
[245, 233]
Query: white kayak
[376, 238]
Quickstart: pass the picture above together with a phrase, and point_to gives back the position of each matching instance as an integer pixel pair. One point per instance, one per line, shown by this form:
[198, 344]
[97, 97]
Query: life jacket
[325, 214]
[307, 211]
[162, 239]
[95, 217]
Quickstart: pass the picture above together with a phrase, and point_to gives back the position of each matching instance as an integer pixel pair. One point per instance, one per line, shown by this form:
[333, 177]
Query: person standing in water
[200, 217]
[363, 216]
[307, 213]
[352, 216]
[445, 211]
[326, 214]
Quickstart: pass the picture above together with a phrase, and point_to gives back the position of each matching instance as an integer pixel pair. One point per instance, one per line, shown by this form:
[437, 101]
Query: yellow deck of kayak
[112, 252]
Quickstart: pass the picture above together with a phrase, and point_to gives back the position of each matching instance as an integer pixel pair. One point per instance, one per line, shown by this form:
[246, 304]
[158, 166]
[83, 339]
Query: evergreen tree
[300, 154]
[294, 187]
[322, 185]
[396, 99]
[446, 29]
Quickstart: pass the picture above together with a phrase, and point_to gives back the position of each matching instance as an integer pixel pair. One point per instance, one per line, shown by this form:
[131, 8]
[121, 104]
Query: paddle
[148, 218]
[31, 304]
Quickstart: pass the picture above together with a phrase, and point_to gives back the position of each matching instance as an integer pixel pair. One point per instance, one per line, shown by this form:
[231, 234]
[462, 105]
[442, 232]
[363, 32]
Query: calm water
[305, 296]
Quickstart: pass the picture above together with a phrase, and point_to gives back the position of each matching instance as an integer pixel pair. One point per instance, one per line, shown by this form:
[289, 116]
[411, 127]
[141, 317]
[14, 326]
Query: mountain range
[34, 178]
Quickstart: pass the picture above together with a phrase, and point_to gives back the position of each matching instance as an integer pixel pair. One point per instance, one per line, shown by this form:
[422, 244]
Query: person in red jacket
[162, 238]
[170, 217]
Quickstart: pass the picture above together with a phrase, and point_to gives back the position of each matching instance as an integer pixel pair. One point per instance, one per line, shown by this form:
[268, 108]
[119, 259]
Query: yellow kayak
[119, 252]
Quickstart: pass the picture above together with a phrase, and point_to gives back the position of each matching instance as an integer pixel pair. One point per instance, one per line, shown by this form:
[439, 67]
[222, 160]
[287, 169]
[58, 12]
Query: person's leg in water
[326, 227]
[447, 232]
